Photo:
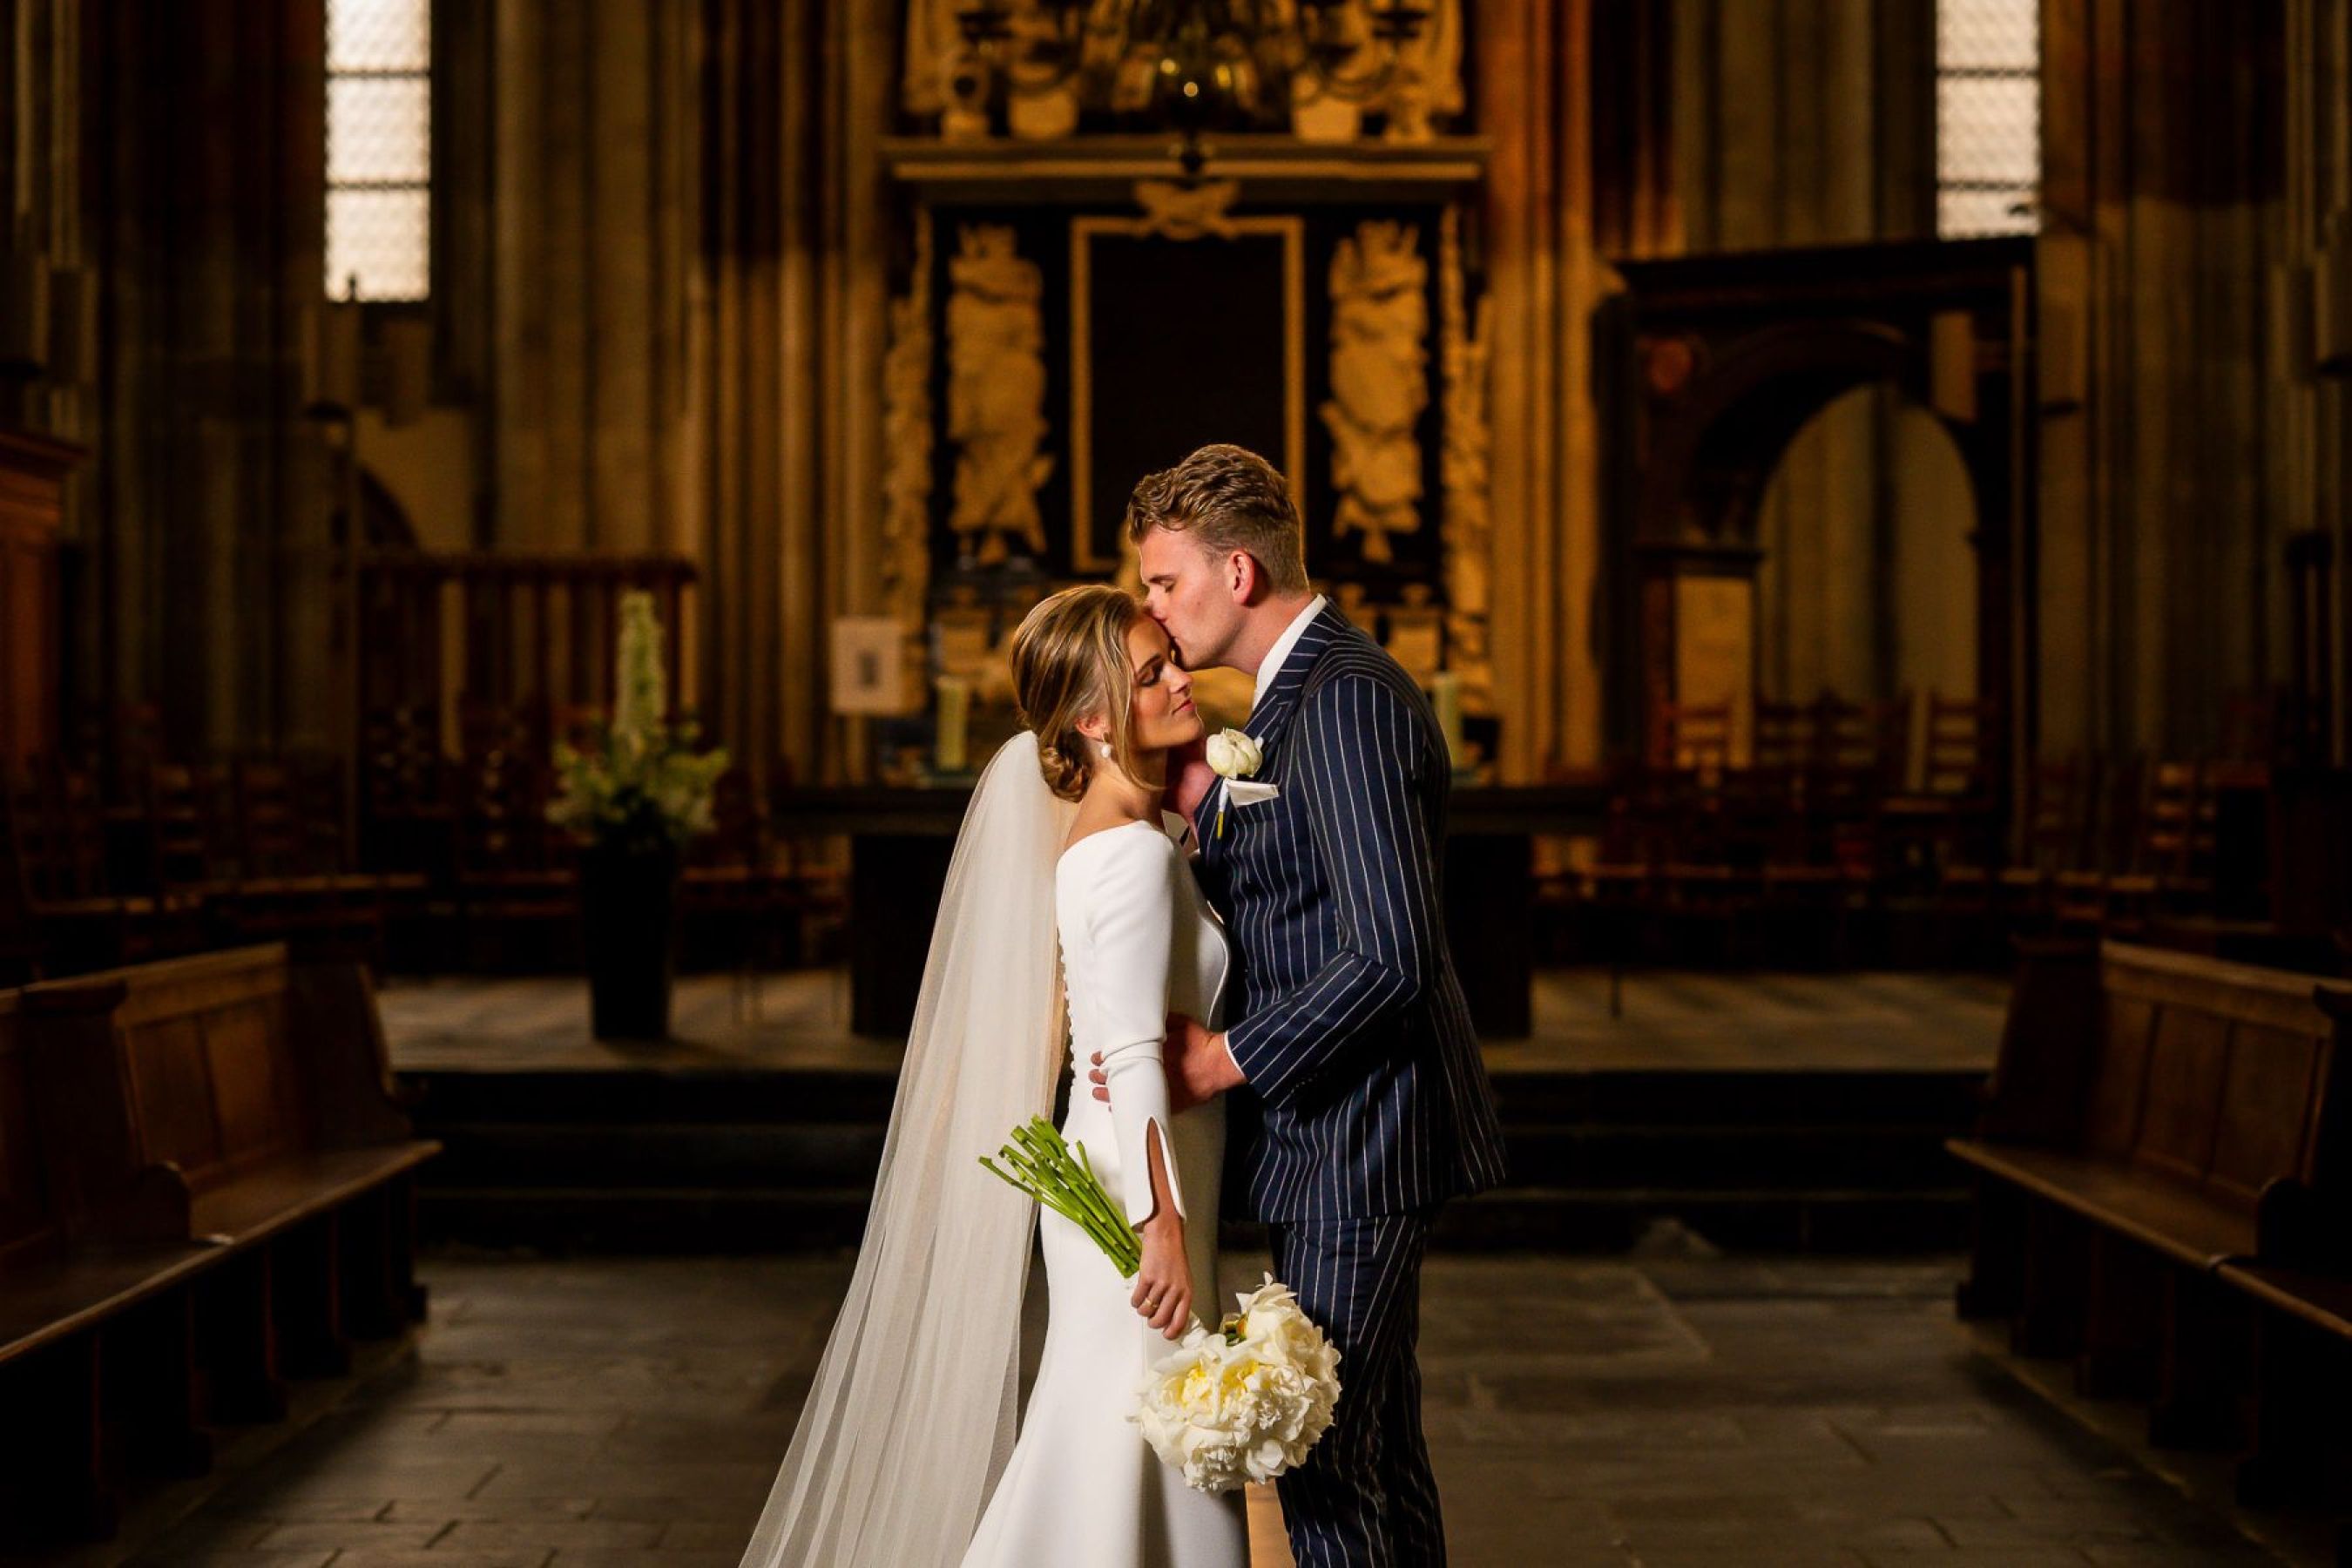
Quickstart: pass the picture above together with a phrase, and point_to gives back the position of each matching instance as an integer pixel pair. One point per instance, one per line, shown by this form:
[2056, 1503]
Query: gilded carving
[1466, 471]
[1424, 81]
[1175, 211]
[906, 442]
[1380, 382]
[996, 393]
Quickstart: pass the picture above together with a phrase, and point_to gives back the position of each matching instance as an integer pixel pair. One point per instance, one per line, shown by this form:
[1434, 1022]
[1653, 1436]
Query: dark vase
[627, 902]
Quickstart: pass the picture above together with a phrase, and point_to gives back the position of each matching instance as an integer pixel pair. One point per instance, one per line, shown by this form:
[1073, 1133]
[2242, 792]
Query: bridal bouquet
[1244, 1403]
[1241, 1403]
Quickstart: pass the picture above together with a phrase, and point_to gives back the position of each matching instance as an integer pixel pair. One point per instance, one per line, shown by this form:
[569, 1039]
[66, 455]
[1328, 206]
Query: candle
[1445, 689]
[954, 710]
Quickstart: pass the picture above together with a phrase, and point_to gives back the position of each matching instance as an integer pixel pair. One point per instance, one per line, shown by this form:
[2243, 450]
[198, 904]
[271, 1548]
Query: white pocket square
[1250, 792]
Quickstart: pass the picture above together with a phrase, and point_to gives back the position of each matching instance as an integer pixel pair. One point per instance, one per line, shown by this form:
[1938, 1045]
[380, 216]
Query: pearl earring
[1102, 750]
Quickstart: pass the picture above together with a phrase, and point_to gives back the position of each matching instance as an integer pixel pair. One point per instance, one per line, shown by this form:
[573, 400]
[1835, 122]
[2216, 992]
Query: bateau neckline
[1072, 849]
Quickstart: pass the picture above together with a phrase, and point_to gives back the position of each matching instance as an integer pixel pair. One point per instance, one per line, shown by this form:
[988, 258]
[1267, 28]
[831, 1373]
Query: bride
[905, 1455]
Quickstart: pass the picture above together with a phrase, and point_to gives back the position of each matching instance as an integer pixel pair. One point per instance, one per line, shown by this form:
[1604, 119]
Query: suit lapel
[1271, 717]
[1272, 714]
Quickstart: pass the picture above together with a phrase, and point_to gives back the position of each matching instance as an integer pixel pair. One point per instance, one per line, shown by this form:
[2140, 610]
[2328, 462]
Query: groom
[1353, 1033]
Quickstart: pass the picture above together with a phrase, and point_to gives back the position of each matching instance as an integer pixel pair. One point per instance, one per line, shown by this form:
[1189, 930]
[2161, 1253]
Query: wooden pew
[94, 1371]
[2301, 1376]
[2153, 1117]
[232, 1193]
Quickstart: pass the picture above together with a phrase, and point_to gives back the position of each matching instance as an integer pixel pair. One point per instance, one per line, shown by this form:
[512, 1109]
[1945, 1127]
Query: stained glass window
[378, 147]
[1987, 117]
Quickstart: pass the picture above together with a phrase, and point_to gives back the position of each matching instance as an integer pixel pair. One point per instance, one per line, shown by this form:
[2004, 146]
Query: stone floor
[1665, 1407]
[1666, 1020]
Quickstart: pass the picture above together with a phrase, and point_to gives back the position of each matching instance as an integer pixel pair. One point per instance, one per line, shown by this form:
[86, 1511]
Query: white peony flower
[1233, 755]
[1245, 1402]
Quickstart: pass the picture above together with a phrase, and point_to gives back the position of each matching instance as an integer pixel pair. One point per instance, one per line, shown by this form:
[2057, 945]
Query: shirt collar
[1272, 665]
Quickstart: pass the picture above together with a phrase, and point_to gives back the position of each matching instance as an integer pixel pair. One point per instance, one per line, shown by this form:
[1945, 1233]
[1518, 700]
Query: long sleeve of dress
[1130, 922]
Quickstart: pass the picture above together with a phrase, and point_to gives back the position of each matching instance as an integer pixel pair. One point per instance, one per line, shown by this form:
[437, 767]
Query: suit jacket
[1352, 1029]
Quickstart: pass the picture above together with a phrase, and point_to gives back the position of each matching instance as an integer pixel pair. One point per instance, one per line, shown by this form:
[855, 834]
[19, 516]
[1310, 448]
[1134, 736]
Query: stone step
[532, 1154]
[1731, 1157]
[734, 1161]
[772, 1220]
[650, 1095]
[554, 1155]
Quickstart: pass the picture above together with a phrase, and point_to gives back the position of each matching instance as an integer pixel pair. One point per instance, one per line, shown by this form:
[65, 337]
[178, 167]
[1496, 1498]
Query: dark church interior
[1864, 486]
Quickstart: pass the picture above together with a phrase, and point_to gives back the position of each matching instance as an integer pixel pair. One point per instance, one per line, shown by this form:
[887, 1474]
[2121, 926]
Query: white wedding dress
[1082, 1489]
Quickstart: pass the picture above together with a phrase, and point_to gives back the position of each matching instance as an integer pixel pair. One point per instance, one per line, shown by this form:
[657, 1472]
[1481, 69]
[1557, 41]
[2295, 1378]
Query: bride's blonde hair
[1070, 663]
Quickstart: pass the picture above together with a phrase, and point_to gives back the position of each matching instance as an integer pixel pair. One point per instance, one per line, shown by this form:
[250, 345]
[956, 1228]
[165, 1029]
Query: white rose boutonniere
[1231, 755]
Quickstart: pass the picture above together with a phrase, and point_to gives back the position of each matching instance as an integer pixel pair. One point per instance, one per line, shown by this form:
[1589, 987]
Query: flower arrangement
[1244, 1403]
[641, 786]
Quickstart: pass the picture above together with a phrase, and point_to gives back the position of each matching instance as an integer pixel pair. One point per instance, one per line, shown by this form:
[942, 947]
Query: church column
[206, 536]
[2164, 515]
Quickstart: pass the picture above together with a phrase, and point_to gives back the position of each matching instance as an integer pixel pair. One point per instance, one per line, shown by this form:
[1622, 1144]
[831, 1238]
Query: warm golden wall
[665, 251]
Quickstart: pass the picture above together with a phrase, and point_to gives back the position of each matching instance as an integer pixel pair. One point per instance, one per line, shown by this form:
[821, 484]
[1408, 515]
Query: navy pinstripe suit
[1374, 1105]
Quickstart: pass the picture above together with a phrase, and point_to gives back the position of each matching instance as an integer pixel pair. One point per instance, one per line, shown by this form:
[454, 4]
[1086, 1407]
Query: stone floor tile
[1633, 1411]
[177, 1556]
[478, 1536]
[376, 1535]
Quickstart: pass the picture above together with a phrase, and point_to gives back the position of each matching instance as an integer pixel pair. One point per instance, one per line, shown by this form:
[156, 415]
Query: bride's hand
[1163, 1285]
[1190, 777]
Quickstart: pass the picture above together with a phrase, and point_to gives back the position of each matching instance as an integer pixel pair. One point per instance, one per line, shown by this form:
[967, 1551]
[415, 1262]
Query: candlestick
[954, 711]
[1446, 691]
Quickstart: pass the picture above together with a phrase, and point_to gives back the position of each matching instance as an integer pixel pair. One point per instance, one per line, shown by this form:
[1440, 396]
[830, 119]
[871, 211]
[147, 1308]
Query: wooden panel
[2111, 1124]
[172, 1088]
[244, 1050]
[2188, 1055]
[2265, 1109]
[27, 1226]
[33, 471]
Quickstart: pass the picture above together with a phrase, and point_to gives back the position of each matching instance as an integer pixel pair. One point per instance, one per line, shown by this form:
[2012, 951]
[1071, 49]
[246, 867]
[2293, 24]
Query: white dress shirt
[1271, 665]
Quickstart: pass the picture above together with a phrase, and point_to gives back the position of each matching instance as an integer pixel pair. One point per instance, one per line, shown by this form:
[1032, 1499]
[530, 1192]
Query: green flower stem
[1046, 1172]
[1078, 1175]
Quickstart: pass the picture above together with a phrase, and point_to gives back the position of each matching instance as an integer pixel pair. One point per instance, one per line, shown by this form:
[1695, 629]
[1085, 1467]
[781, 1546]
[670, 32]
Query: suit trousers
[1365, 1498]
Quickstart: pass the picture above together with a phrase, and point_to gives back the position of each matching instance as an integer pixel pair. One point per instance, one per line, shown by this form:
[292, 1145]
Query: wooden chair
[1860, 750]
[2171, 867]
[1959, 757]
[1621, 892]
[1692, 739]
[735, 892]
[2054, 838]
[57, 829]
[2080, 898]
[516, 875]
[291, 879]
[407, 815]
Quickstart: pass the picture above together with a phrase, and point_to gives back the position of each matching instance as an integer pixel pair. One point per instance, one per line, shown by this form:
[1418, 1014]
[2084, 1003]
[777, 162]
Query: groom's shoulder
[1355, 671]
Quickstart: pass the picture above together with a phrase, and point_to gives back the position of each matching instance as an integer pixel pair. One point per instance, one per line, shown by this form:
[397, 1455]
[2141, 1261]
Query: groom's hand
[1199, 1067]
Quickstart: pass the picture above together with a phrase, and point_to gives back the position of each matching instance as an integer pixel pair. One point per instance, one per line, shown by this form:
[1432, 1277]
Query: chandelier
[1195, 66]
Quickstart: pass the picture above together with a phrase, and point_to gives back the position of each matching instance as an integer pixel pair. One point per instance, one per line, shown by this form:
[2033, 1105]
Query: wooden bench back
[2220, 1075]
[29, 1228]
[206, 1051]
[165, 1080]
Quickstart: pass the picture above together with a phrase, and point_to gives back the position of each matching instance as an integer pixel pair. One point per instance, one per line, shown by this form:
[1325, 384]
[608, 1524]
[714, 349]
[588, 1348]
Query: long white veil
[910, 1420]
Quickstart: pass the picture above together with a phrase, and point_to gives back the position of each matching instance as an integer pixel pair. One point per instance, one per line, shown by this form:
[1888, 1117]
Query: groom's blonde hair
[1070, 662]
[1227, 497]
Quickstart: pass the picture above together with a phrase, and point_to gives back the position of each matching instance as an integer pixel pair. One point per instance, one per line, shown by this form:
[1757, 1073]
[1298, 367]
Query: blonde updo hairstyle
[1070, 663]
